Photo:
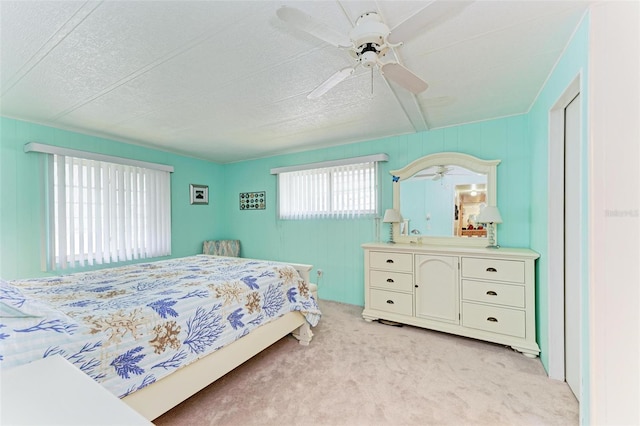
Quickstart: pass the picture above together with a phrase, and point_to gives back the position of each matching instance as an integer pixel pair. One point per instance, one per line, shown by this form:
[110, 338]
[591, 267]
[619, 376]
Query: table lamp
[391, 216]
[490, 215]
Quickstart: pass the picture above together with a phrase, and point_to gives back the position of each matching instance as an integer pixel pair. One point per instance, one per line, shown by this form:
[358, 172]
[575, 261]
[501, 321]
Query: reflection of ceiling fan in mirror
[371, 39]
[440, 172]
[434, 173]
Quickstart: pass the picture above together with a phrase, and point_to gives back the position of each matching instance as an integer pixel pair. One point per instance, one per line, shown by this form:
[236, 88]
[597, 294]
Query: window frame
[330, 206]
[127, 217]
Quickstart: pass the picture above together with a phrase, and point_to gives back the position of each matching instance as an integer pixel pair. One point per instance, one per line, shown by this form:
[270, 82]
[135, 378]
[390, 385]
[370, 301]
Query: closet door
[436, 288]
[572, 246]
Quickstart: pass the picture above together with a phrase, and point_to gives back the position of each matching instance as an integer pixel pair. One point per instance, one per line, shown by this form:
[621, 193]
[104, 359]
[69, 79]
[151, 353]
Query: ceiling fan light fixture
[369, 59]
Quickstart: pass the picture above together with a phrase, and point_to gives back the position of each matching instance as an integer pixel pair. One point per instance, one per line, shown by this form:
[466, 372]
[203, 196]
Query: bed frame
[161, 396]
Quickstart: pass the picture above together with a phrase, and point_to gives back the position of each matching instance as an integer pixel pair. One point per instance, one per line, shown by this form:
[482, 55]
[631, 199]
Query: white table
[51, 391]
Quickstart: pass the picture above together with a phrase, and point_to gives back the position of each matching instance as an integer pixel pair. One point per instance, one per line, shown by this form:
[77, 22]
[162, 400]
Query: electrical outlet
[320, 272]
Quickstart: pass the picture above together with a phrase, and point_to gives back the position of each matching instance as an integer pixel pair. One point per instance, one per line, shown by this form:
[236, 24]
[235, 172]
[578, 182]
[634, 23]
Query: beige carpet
[359, 373]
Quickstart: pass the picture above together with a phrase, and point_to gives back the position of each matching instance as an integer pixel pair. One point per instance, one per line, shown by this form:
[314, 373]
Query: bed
[156, 333]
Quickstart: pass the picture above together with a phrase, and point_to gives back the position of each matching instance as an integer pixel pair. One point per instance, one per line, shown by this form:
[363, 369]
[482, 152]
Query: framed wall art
[253, 200]
[199, 194]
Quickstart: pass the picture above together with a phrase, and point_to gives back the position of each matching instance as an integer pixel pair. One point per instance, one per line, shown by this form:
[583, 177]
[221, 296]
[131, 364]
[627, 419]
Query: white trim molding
[555, 231]
[56, 150]
[333, 163]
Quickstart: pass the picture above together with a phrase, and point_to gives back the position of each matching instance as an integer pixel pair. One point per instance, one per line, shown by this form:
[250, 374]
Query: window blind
[103, 212]
[341, 189]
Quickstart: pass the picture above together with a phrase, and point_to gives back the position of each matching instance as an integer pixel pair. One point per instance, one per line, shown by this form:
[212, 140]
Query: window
[102, 211]
[340, 189]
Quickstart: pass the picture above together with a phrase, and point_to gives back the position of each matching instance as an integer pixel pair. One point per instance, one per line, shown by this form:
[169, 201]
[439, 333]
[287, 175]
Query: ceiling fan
[440, 172]
[434, 172]
[371, 39]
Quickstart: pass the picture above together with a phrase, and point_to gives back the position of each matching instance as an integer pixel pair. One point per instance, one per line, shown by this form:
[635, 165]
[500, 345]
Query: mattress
[129, 326]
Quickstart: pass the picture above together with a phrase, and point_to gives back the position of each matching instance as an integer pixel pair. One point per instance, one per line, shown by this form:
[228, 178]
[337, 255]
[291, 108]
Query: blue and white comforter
[129, 326]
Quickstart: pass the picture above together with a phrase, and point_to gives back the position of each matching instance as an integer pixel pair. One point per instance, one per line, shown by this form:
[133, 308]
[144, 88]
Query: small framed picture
[253, 200]
[199, 194]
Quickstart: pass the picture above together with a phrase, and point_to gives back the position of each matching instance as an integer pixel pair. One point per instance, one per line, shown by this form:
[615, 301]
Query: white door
[572, 245]
[437, 288]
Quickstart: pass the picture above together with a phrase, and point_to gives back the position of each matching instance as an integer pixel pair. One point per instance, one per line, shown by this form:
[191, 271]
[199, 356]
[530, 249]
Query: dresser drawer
[496, 293]
[494, 319]
[389, 301]
[388, 280]
[492, 269]
[391, 261]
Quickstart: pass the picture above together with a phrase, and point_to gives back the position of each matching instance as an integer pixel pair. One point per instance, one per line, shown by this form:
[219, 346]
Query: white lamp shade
[392, 216]
[490, 214]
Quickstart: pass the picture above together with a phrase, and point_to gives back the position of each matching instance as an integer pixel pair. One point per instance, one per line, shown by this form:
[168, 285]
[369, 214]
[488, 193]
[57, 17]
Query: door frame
[555, 228]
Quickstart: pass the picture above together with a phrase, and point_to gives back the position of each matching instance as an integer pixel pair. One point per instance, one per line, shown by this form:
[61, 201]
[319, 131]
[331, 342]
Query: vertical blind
[103, 212]
[348, 189]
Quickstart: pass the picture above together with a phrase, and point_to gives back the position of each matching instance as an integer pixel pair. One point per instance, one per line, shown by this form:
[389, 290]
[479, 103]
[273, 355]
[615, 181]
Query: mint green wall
[331, 245]
[20, 193]
[334, 245]
[573, 62]
[521, 142]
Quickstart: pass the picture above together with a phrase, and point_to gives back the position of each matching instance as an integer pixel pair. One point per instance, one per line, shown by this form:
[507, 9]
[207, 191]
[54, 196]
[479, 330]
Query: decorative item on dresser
[490, 215]
[391, 216]
[474, 292]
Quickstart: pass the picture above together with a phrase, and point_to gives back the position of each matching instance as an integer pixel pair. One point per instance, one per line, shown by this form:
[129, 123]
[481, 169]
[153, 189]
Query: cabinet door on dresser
[436, 288]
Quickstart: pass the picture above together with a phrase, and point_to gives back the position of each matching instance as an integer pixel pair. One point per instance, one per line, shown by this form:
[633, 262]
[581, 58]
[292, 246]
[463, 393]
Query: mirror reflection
[440, 195]
[443, 201]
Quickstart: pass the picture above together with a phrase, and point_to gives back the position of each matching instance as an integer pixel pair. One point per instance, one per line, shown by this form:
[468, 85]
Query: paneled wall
[331, 245]
[21, 194]
[572, 64]
[334, 245]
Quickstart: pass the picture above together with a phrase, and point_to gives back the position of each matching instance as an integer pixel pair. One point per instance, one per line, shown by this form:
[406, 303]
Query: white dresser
[486, 294]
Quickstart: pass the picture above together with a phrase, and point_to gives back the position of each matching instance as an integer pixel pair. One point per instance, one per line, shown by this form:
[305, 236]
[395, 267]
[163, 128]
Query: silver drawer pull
[390, 280]
[390, 302]
[389, 260]
[492, 319]
[490, 269]
[491, 293]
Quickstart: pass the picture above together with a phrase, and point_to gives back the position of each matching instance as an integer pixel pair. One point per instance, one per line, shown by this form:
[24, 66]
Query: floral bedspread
[129, 326]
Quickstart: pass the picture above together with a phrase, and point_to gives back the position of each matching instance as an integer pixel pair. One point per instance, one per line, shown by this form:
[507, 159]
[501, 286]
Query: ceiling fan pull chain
[372, 82]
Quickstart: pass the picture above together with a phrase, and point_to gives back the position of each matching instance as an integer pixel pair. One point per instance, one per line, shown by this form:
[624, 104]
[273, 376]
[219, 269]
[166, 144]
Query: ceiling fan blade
[300, 20]
[429, 17]
[331, 82]
[405, 78]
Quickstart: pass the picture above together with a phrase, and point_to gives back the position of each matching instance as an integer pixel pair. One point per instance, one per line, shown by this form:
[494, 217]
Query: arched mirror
[439, 196]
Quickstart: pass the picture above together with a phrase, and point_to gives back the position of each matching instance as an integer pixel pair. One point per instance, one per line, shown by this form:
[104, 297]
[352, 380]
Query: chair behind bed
[229, 248]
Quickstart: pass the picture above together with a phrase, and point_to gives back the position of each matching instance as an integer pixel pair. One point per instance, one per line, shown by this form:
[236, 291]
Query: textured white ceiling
[227, 80]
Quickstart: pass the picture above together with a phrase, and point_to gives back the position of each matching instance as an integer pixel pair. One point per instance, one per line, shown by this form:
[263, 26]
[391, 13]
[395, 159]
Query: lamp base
[491, 233]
